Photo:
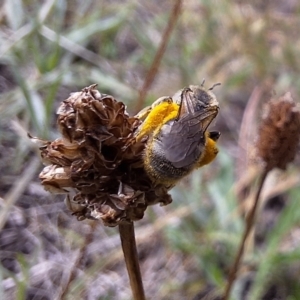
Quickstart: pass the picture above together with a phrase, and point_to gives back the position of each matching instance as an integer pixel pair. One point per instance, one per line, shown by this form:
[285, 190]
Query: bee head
[203, 98]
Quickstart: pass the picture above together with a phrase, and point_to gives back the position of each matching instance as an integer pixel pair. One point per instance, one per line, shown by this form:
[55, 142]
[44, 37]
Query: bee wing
[183, 140]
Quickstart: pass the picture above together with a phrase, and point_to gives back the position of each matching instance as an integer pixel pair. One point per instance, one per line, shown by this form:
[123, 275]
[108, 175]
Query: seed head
[97, 162]
[279, 132]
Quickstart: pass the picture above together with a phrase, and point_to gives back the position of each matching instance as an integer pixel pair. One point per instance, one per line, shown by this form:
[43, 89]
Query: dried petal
[56, 179]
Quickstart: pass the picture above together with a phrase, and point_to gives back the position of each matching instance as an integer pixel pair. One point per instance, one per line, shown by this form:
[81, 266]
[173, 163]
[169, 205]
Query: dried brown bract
[97, 162]
[279, 132]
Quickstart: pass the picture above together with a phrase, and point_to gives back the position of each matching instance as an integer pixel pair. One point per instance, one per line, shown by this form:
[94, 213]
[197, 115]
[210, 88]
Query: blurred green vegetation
[50, 48]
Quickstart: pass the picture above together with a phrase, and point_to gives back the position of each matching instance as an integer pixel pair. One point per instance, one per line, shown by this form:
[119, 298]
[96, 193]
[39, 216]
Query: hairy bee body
[178, 140]
[163, 171]
[158, 167]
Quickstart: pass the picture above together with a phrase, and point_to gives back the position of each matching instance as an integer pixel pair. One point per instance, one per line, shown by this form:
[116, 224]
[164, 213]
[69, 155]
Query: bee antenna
[203, 81]
[216, 84]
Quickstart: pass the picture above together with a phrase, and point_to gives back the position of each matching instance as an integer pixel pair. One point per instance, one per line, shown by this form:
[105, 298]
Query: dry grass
[51, 48]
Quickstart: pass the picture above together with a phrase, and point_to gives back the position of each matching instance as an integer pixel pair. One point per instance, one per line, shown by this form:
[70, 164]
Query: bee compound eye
[203, 97]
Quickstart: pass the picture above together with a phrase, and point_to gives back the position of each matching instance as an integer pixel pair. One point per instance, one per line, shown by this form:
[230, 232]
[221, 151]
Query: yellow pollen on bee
[210, 152]
[158, 116]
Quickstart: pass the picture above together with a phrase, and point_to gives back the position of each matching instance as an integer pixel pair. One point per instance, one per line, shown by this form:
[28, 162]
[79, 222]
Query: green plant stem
[127, 236]
[249, 224]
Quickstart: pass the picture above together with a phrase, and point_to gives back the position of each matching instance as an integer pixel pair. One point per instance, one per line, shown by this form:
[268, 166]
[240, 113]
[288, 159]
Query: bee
[176, 131]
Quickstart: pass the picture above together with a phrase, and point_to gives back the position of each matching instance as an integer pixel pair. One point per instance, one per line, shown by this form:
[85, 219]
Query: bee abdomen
[160, 169]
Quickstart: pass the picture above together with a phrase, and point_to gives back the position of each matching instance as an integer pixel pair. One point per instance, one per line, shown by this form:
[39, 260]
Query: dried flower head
[98, 162]
[279, 132]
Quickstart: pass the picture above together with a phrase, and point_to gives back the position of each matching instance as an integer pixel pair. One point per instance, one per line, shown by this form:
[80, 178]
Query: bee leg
[142, 115]
[153, 116]
[162, 100]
